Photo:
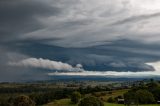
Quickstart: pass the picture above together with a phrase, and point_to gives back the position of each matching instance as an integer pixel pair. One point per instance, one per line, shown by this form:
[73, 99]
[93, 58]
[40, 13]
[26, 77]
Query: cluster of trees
[76, 98]
[90, 89]
[139, 97]
[45, 97]
[86, 101]
[39, 97]
[142, 94]
[24, 89]
[42, 95]
[21, 100]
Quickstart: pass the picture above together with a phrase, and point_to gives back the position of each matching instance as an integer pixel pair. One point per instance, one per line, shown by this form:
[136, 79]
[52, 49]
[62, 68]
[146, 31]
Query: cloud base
[64, 69]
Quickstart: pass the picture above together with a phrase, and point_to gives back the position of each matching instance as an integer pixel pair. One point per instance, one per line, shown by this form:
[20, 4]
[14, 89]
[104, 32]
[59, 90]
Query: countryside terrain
[60, 93]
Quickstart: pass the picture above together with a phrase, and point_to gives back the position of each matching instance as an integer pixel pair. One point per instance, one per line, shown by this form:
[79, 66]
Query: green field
[114, 94]
[62, 102]
[66, 102]
[110, 104]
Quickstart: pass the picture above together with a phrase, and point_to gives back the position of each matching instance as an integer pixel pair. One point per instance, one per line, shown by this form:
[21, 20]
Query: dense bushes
[145, 97]
[90, 89]
[144, 93]
[23, 101]
[90, 101]
[139, 97]
[45, 97]
[130, 97]
[38, 96]
[75, 97]
[111, 100]
[156, 93]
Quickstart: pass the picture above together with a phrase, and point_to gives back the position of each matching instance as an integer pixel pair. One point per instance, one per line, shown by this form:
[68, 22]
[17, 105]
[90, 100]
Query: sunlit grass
[66, 102]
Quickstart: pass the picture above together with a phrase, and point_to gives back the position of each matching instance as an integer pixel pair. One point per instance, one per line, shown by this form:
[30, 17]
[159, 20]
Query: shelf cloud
[45, 64]
[78, 35]
[115, 74]
[109, 74]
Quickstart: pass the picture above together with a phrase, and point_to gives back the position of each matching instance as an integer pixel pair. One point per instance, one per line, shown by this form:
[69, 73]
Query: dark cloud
[102, 36]
[17, 18]
[21, 16]
[97, 57]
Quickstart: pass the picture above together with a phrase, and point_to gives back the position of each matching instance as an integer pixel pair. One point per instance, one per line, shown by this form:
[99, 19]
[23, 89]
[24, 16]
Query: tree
[90, 101]
[23, 101]
[156, 93]
[139, 96]
[145, 97]
[111, 100]
[75, 97]
[130, 98]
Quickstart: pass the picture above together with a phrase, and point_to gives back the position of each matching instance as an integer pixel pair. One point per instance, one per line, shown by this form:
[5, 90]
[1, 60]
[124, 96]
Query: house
[120, 101]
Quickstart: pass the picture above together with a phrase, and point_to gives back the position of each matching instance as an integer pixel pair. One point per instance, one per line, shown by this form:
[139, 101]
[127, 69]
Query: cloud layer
[78, 71]
[89, 23]
[100, 36]
[80, 23]
[115, 74]
[45, 64]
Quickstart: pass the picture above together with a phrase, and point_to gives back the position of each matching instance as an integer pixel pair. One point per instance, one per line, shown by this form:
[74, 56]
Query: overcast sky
[42, 38]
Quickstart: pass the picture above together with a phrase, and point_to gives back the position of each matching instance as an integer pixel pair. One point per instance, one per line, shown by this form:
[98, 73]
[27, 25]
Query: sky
[111, 38]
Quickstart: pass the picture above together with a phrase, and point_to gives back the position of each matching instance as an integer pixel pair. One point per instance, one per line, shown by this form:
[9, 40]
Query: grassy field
[114, 94]
[66, 102]
[62, 102]
[111, 104]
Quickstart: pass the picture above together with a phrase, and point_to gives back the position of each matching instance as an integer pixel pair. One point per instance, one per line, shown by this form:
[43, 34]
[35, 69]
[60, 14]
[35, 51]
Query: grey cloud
[136, 18]
[8, 73]
[117, 64]
[76, 23]
[21, 16]
[101, 35]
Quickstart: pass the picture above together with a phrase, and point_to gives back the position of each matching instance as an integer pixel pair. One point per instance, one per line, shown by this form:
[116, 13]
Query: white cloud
[79, 66]
[45, 64]
[109, 74]
[156, 65]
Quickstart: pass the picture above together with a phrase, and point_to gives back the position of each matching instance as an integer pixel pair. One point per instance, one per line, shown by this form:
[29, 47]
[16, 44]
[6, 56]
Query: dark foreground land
[73, 93]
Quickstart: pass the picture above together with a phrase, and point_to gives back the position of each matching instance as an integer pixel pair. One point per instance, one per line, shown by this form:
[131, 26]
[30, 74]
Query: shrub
[23, 101]
[75, 97]
[111, 100]
[130, 98]
[90, 101]
[139, 96]
[156, 93]
[145, 97]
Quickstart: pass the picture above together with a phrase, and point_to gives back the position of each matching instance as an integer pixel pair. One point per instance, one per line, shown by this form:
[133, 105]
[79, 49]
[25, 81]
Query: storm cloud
[100, 36]
[21, 16]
